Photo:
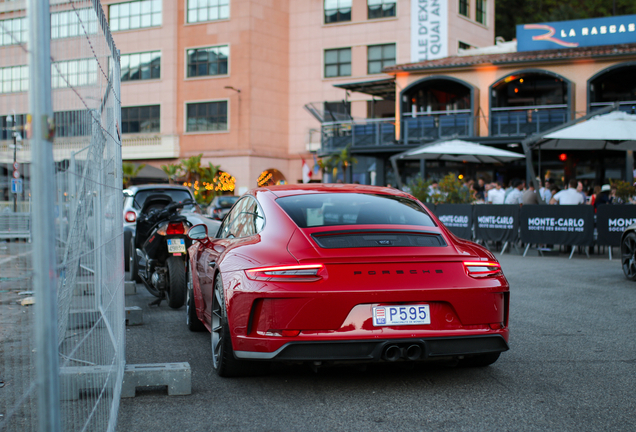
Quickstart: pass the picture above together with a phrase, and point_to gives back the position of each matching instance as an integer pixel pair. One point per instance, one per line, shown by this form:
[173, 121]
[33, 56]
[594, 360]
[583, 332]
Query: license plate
[176, 245]
[401, 315]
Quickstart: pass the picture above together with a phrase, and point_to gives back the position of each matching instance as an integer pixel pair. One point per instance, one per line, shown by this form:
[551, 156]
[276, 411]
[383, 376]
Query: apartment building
[230, 79]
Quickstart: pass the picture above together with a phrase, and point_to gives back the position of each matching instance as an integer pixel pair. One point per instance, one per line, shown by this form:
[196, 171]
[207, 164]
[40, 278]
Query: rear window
[316, 210]
[227, 202]
[177, 195]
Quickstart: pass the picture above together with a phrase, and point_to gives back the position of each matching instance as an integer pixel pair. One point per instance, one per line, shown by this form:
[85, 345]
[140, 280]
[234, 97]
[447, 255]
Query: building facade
[238, 80]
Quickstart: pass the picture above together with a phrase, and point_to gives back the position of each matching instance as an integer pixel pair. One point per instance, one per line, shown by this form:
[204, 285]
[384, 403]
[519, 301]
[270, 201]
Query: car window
[226, 202]
[245, 219]
[177, 195]
[315, 210]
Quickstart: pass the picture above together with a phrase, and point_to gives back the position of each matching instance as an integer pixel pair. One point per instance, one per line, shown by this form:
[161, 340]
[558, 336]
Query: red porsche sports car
[336, 273]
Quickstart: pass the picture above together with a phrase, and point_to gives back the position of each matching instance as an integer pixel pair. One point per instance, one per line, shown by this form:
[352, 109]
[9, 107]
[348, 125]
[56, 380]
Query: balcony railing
[516, 121]
[358, 133]
[426, 127]
[625, 106]
[430, 126]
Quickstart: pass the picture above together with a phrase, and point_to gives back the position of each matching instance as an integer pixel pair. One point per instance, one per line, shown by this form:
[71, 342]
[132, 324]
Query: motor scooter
[161, 246]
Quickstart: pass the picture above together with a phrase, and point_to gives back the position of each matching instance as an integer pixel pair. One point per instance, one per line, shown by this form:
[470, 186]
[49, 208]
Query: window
[9, 124]
[206, 117]
[14, 79]
[463, 45]
[73, 73]
[208, 10]
[337, 111]
[141, 119]
[73, 123]
[315, 210]
[463, 7]
[72, 23]
[13, 31]
[208, 61]
[337, 62]
[379, 57]
[337, 11]
[381, 8]
[245, 219]
[480, 11]
[134, 15]
[141, 66]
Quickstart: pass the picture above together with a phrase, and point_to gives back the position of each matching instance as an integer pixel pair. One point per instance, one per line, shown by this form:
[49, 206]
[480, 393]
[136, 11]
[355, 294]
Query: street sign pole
[15, 150]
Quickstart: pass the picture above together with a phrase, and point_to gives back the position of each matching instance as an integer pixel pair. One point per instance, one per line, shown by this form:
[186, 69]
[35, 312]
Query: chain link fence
[89, 323]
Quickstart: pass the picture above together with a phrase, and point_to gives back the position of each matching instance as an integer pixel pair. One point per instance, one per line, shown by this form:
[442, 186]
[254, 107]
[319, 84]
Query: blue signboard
[16, 186]
[577, 33]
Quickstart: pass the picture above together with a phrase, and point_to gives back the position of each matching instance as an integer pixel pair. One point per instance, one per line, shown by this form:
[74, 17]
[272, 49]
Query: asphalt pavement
[571, 367]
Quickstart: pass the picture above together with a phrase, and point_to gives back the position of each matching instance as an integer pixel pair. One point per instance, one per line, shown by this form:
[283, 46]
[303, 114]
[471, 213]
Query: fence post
[43, 234]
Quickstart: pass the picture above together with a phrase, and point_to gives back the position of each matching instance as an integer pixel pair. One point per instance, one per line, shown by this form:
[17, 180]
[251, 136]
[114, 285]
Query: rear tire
[480, 360]
[133, 268]
[628, 256]
[192, 321]
[177, 282]
[223, 360]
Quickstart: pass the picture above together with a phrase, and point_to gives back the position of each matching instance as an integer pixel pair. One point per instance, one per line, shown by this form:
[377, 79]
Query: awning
[383, 88]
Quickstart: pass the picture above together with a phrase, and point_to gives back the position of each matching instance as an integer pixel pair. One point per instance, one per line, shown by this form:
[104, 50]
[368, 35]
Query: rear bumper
[374, 350]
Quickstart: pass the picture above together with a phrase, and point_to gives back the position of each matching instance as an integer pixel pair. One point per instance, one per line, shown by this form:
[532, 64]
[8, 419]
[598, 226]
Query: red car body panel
[338, 306]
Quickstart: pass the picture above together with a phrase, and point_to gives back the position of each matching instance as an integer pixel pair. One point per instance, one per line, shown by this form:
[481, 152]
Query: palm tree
[210, 179]
[172, 171]
[192, 168]
[130, 171]
[345, 159]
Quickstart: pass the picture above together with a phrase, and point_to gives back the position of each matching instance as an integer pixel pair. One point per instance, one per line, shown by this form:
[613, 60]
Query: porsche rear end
[370, 292]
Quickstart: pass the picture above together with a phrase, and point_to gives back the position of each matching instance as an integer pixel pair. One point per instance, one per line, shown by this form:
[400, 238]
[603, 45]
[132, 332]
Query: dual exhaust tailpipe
[396, 352]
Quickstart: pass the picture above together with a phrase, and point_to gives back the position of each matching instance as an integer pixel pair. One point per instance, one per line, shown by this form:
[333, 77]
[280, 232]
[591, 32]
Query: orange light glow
[563, 157]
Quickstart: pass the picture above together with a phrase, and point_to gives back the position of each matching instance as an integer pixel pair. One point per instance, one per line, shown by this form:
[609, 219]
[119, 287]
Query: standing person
[603, 196]
[497, 194]
[579, 189]
[480, 189]
[515, 196]
[530, 196]
[568, 196]
[545, 191]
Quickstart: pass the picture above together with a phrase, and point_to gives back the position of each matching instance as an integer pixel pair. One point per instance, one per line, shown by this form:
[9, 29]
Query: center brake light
[175, 228]
[482, 268]
[290, 273]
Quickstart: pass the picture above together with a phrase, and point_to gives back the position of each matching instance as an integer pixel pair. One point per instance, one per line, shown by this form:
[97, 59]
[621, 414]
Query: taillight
[482, 268]
[130, 216]
[291, 273]
[175, 228]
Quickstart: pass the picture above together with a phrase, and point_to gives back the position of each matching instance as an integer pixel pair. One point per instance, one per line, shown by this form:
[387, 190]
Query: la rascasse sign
[429, 30]
[577, 33]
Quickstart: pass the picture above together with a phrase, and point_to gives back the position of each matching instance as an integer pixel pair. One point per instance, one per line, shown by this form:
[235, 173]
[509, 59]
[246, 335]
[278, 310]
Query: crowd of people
[517, 192]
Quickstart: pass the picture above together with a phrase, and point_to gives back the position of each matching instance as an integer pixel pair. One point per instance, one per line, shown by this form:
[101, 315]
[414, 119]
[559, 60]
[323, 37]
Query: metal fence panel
[88, 247]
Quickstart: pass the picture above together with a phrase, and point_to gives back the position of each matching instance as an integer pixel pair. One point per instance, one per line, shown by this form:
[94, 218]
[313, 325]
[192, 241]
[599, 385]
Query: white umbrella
[613, 131]
[460, 151]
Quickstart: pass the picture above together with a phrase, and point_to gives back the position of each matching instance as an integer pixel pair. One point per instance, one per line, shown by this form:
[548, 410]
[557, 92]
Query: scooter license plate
[176, 245]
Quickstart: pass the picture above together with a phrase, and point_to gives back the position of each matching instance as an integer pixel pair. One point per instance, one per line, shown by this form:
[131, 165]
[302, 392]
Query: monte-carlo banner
[577, 33]
[429, 30]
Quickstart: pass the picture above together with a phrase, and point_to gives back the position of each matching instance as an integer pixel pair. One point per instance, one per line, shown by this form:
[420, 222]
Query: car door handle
[211, 264]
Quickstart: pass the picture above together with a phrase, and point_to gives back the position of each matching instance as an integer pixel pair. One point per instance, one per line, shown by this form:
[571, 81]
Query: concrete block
[134, 316]
[80, 379]
[176, 376]
[130, 288]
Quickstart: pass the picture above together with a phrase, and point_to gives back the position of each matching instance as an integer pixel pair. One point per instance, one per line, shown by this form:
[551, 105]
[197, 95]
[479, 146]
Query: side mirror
[198, 232]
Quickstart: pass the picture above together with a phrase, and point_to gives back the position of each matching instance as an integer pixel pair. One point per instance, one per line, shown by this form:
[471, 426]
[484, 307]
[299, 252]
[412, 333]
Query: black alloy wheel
[628, 256]
[192, 321]
[223, 360]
